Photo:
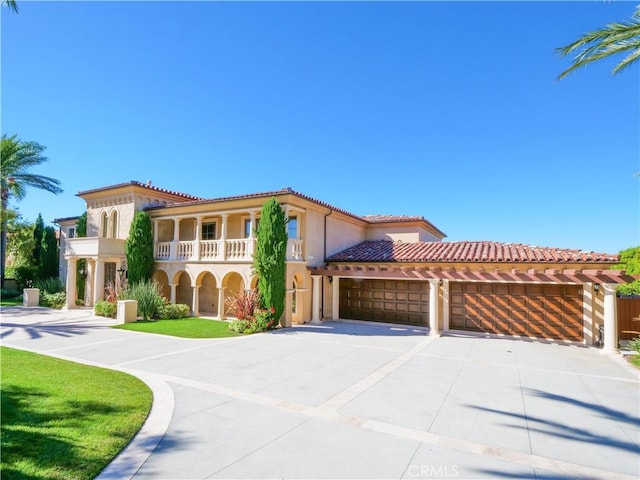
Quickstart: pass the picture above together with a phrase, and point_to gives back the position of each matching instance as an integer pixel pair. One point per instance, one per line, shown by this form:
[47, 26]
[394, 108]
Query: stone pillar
[196, 300]
[335, 298]
[587, 313]
[221, 306]
[196, 246]
[70, 302]
[98, 281]
[610, 320]
[445, 305]
[173, 287]
[89, 282]
[252, 238]
[176, 238]
[316, 294]
[434, 328]
[223, 237]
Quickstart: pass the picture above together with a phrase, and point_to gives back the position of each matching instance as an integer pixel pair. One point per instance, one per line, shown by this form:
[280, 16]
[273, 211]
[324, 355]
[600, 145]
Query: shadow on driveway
[362, 329]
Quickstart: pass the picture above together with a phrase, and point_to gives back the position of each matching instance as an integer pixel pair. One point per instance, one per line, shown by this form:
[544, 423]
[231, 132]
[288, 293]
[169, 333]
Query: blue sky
[449, 110]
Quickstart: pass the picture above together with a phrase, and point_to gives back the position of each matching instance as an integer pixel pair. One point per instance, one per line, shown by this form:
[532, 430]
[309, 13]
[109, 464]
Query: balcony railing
[238, 250]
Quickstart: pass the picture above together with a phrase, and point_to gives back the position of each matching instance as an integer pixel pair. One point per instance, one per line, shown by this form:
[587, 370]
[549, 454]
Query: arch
[104, 224]
[254, 283]
[233, 284]
[208, 294]
[161, 277]
[184, 288]
[113, 224]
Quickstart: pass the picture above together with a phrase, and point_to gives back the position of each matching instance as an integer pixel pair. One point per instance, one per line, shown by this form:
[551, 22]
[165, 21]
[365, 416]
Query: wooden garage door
[546, 311]
[393, 301]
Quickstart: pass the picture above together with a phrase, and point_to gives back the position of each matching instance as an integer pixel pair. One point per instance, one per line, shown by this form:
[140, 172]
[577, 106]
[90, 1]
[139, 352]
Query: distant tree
[38, 235]
[12, 4]
[610, 40]
[19, 241]
[139, 249]
[270, 257]
[16, 159]
[49, 261]
[81, 225]
[630, 263]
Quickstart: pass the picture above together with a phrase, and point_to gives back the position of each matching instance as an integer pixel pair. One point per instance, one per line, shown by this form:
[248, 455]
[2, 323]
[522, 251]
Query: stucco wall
[343, 233]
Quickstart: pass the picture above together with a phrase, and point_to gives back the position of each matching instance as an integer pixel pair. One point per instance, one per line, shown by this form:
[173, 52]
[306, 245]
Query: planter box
[127, 311]
[30, 297]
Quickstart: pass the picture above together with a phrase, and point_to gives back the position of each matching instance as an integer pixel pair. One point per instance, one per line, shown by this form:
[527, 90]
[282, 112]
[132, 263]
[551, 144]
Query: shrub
[147, 293]
[24, 276]
[240, 326]
[243, 304]
[635, 345]
[173, 310]
[53, 300]
[105, 309]
[261, 321]
[9, 293]
[50, 285]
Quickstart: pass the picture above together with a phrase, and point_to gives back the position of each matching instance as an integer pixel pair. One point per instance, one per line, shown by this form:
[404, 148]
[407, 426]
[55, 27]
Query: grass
[62, 420]
[192, 327]
[10, 302]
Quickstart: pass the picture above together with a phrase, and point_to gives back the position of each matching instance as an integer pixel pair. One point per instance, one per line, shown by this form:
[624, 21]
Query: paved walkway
[345, 400]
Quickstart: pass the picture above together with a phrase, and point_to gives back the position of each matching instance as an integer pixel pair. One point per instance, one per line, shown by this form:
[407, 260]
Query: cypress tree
[139, 249]
[270, 257]
[49, 256]
[38, 233]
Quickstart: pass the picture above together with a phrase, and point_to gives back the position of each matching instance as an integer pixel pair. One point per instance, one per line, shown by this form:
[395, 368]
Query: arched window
[104, 225]
[113, 221]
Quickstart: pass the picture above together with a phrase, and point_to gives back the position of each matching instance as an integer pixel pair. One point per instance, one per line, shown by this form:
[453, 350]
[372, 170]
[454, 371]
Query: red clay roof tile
[388, 251]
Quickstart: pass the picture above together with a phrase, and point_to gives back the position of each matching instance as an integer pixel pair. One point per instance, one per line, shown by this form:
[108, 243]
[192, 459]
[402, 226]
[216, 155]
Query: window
[71, 233]
[104, 229]
[209, 231]
[292, 227]
[247, 227]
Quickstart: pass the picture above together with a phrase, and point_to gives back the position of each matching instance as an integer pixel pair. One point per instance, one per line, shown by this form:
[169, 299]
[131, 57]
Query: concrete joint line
[341, 399]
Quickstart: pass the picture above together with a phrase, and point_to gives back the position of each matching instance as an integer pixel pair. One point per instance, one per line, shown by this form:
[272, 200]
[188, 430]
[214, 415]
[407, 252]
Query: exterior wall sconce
[596, 287]
[81, 271]
[330, 279]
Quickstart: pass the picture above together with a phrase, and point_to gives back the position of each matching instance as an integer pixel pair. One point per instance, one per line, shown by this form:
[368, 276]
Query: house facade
[394, 269]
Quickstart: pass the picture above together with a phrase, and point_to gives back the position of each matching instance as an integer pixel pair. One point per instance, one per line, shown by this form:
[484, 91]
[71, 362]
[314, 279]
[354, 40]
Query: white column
[221, 305]
[433, 307]
[251, 246]
[176, 238]
[316, 293]
[335, 299]
[98, 281]
[155, 231]
[90, 270]
[196, 300]
[610, 326]
[223, 237]
[445, 305]
[196, 246]
[71, 283]
[587, 313]
[173, 287]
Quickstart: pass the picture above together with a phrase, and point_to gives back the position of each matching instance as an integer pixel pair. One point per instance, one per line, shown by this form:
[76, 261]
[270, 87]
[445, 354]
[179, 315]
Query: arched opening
[208, 295]
[297, 299]
[233, 285]
[161, 278]
[104, 224]
[184, 290]
[113, 225]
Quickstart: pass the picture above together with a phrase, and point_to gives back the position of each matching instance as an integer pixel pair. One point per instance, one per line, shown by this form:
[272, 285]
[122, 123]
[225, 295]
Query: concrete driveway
[347, 400]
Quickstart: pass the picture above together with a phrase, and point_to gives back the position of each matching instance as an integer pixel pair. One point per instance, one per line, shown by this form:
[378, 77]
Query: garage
[390, 301]
[532, 310]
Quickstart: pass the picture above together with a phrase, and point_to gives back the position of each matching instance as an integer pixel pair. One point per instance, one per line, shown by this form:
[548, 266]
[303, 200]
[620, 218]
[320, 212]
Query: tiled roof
[143, 185]
[388, 251]
[392, 218]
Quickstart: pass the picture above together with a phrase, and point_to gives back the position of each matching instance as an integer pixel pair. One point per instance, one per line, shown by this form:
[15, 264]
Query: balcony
[230, 250]
[94, 246]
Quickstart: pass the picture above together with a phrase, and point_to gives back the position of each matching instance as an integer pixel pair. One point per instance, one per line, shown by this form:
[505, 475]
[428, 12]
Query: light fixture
[81, 271]
[330, 279]
[122, 272]
[596, 287]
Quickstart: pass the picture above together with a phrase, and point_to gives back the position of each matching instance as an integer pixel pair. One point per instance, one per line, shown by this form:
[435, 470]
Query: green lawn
[10, 302]
[192, 327]
[63, 420]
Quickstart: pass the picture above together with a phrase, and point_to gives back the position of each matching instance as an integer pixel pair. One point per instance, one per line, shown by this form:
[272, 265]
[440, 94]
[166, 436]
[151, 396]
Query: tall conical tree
[38, 235]
[139, 249]
[269, 261]
[49, 258]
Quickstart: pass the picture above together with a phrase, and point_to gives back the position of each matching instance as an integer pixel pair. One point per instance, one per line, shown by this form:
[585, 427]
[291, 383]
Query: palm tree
[12, 4]
[610, 40]
[16, 158]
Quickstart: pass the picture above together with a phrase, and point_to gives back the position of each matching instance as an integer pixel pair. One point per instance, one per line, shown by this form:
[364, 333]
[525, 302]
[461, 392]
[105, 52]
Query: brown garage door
[546, 311]
[393, 301]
